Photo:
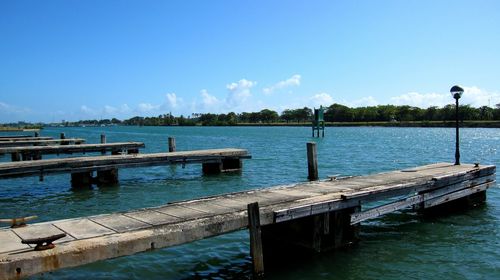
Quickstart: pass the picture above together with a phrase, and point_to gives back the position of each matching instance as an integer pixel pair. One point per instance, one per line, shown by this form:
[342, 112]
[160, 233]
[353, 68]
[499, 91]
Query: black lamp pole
[457, 140]
[457, 92]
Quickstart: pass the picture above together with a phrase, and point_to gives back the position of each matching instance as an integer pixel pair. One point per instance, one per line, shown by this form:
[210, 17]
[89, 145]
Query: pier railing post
[256, 251]
[171, 144]
[312, 161]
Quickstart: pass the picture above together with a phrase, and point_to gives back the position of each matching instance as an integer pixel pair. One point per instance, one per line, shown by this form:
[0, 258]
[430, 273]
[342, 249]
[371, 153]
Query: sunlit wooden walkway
[93, 238]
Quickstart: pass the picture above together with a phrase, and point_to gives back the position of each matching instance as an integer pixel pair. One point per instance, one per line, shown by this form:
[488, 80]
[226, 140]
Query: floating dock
[81, 168]
[36, 152]
[319, 215]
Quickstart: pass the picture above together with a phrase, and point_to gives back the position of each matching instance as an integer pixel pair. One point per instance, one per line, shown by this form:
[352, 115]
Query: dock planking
[108, 162]
[89, 239]
[41, 142]
[70, 149]
[24, 138]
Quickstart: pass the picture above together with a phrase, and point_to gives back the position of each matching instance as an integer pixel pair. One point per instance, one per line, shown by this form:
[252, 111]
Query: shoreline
[463, 124]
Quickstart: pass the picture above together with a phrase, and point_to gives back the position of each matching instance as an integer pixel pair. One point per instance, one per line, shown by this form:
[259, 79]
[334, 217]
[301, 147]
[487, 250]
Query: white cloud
[238, 93]
[147, 108]
[173, 101]
[473, 96]
[479, 97]
[361, 102]
[322, 98]
[110, 110]
[424, 100]
[87, 110]
[292, 81]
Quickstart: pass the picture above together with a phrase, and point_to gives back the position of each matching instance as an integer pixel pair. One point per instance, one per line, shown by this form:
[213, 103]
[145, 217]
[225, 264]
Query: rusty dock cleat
[44, 243]
[18, 222]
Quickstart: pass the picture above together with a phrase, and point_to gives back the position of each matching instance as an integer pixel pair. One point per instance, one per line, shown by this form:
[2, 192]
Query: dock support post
[15, 156]
[103, 141]
[256, 249]
[81, 179]
[37, 134]
[312, 161]
[36, 156]
[107, 176]
[171, 144]
[211, 167]
[63, 136]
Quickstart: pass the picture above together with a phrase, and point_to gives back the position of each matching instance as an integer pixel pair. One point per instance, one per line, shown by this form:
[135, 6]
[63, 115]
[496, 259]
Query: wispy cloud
[292, 81]
[11, 109]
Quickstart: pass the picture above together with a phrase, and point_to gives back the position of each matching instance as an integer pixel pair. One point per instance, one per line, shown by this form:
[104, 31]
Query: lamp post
[457, 92]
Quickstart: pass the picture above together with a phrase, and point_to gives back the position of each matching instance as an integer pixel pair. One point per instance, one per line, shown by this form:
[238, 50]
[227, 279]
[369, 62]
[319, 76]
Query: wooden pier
[81, 168]
[23, 138]
[317, 215]
[36, 152]
[24, 142]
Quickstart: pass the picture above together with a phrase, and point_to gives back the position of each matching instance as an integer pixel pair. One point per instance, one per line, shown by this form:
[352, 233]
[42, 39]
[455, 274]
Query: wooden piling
[37, 134]
[256, 249]
[81, 180]
[171, 144]
[63, 136]
[15, 156]
[107, 176]
[103, 141]
[312, 161]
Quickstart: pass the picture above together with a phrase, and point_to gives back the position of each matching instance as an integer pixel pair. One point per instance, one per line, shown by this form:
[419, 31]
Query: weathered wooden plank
[152, 217]
[41, 142]
[456, 195]
[15, 136]
[34, 231]
[416, 199]
[96, 163]
[83, 228]
[119, 222]
[23, 138]
[10, 242]
[82, 148]
[181, 212]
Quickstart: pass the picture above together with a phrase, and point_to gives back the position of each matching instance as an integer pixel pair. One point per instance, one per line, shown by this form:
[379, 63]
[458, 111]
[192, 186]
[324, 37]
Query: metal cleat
[44, 243]
[18, 222]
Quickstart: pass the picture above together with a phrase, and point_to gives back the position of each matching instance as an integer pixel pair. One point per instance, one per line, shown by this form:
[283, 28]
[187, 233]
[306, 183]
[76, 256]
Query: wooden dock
[320, 215]
[23, 138]
[23, 142]
[81, 168]
[36, 152]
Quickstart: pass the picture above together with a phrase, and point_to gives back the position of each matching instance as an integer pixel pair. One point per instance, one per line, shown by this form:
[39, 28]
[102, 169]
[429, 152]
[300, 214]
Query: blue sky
[101, 59]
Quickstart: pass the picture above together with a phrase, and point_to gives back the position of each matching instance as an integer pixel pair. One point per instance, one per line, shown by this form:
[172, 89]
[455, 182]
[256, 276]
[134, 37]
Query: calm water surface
[398, 246]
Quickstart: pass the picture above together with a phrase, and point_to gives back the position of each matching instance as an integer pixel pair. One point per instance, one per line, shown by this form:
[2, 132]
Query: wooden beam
[312, 161]
[256, 249]
[435, 195]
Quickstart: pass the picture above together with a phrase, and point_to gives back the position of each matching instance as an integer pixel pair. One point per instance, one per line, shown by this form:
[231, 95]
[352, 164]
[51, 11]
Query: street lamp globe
[456, 92]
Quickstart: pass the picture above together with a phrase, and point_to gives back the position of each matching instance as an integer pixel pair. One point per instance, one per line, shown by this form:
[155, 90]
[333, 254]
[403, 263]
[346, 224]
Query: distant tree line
[333, 113]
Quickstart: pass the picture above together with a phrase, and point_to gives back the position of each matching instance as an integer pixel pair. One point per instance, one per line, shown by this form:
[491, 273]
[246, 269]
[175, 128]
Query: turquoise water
[465, 245]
